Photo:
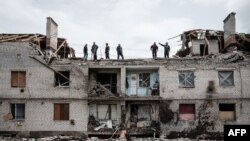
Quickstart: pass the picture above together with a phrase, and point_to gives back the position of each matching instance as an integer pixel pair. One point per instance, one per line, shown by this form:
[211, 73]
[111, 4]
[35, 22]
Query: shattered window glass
[226, 78]
[144, 79]
[186, 79]
[62, 78]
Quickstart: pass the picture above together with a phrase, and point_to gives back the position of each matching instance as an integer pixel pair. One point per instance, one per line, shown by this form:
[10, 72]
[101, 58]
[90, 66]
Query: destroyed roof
[240, 40]
[37, 39]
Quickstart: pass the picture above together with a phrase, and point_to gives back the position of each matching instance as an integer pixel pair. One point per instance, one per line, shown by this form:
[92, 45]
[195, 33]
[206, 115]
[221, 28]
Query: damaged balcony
[104, 118]
[142, 83]
[142, 118]
[104, 83]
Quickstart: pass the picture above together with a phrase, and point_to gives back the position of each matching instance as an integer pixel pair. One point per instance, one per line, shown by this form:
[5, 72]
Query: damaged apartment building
[46, 90]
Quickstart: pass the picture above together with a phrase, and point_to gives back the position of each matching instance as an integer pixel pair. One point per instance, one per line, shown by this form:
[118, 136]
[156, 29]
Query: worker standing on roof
[119, 51]
[154, 49]
[166, 49]
[85, 52]
[94, 50]
[107, 51]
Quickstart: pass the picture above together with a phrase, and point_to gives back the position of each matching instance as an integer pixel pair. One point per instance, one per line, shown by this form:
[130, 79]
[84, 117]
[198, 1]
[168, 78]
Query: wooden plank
[57, 111]
[22, 79]
[14, 79]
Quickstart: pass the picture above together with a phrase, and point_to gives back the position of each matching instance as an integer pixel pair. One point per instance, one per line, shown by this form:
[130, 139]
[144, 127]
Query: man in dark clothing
[107, 51]
[166, 49]
[85, 52]
[154, 49]
[119, 51]
[94, 50]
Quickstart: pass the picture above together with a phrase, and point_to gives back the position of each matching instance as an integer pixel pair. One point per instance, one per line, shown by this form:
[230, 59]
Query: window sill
[62, 86]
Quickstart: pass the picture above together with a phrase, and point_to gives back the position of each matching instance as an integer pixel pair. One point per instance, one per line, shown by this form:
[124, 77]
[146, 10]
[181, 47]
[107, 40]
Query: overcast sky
[135, 24]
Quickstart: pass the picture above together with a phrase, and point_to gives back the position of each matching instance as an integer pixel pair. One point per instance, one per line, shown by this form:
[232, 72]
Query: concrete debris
[100, 90]
[234, 56]
[100, 127]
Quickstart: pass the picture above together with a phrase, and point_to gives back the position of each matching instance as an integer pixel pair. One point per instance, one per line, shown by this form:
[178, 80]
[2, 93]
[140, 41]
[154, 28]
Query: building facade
[45, 90]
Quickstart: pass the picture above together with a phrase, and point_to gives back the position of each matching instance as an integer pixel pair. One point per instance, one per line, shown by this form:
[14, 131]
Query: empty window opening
[187, 112]
[108, 80]
[107, 112]
[186, 79]
[227, 112]
[61, 111]
[226, 78]
[144, 79]
[140, 115]
[18, 78]
[203, 50]
[18, 110]
[60, 80]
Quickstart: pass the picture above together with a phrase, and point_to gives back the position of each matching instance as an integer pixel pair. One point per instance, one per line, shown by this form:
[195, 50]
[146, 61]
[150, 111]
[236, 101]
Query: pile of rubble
[53, 138]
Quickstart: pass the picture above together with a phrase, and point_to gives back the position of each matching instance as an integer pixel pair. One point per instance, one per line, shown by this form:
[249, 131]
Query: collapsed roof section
[206, 36]
[241, 41]
[49, 45]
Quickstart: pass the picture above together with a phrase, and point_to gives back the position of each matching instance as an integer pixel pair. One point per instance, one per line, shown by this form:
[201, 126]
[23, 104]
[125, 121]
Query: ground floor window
[107, 112]
[187, 112]
[61, 111]
[227, 112]
[18, 110]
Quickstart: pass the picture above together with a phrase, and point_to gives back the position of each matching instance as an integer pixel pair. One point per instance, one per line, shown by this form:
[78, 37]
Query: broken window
[140, 115]
[62, 78]
[186, 79]
[187, 112]
[226, 78]
[227, 112]
[107, 112]
[108, 80]
[18, 110]
[144, 79]
[61, 111]
[18, 78]
[203, 50]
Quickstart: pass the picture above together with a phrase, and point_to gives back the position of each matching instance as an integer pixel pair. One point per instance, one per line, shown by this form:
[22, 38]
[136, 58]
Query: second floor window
[144, 79]
[186, 79]
[62, 79]
[18, 78]
[226, 78]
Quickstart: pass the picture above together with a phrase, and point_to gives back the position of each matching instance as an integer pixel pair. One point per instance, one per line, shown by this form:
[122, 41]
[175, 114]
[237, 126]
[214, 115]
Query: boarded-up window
[186, 79]
[187, 112]
[226, 78]
[144, 79]
[62, 79]
[227, 112]
[61, 111]
[107, 112]
[18, 110]
[18, 78]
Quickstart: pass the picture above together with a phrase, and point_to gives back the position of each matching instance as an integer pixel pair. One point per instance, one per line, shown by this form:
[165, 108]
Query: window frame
[61, 110]
[18, 84]
[234, 111]
[185, 72]
[141, 82]
[190, 104]
[14, 115]
[228, 77]
[109, 112]
[58, 76]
